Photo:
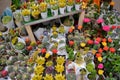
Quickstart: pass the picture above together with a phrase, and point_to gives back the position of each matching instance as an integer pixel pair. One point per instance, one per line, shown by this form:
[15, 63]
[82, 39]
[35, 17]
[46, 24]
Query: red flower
[90, 42]
[71, 43]
[110, 40]
[98, 55]
[112, 50]
[98, 39]
[4, 73]
[104, 40]
[106, 48]
[113, 27]
[100, 50]
[43, 50]
[54, 51]
[79, 27]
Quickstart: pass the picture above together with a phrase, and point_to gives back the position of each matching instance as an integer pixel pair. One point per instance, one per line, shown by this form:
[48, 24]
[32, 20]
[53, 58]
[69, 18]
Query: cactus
[26, 76]
[26, 58]
[23, 69]
[30, 70]
[9, 62]
[19, 76]
[10, 69]
[15, 68]
[20, 57]
[12, 75]
[78, 58]
[23, 63]
[14, 59]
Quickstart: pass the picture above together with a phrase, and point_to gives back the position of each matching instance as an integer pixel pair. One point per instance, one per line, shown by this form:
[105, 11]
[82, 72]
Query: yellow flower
[37, 77]
[100, 59]
[104, 43]
[47, 55]
[82, 44]
[0, 33]
[100, 72]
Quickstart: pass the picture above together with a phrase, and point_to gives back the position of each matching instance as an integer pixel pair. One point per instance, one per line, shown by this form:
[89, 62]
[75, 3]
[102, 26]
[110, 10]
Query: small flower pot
[55, 12]
[10, 24]
[69, 8]
[62, 10]
[44, 15]
[26, 18]
[77, 7]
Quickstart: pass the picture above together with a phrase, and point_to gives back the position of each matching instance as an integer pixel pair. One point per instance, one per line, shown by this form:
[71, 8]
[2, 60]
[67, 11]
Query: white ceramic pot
[55, 12]
[26, 18]
[44, 15]
[69, 8]
[62, 10]
[77, 7]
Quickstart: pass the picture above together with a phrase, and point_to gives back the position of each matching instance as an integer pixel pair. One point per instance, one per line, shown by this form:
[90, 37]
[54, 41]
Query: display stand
[28, 24]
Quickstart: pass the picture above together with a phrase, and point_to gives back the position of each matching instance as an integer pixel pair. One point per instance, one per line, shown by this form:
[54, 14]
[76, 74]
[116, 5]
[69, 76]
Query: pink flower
[86, 20]
[96, 42]
[100, 66]
[106, 28]
[100, 21]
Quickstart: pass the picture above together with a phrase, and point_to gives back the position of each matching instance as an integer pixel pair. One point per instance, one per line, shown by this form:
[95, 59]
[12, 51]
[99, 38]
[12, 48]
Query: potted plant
[26, 15]
[23, 33]
[35, 14]
[43, 9]
[54, 9]
[8, 21]
[70, 4]
[77, 4]
[62, 6]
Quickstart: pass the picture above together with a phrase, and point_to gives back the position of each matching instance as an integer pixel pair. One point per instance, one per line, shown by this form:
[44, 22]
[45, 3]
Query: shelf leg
[30, 33]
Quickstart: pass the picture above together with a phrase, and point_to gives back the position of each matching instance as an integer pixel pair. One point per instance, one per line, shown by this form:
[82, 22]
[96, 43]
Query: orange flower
[104, 39]
[110, 40]
[100, 50]
[98, 55]
[112, 3]
[112, 50]
[106, 48]
[79, 27]
[70, 30]
[90, 42]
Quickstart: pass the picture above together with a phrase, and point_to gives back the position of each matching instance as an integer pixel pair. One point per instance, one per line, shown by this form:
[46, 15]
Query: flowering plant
[25, 12]
[43, 7]
[70, 2]
[77, 1]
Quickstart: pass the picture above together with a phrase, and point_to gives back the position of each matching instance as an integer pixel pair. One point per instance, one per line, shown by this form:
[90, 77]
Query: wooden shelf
[50, 18]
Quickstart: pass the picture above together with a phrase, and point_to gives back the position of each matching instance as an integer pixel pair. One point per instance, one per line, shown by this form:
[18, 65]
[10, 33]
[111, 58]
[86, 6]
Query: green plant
[90, 67]
[70, 53]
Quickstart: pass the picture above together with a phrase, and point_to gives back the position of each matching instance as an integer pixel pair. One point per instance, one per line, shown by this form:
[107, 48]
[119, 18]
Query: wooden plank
[51, 18]
[81, 17]
[30, 33]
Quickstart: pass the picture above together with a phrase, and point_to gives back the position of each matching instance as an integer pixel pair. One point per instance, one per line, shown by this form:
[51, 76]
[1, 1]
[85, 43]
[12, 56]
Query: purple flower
[86, 20]
[100, 20]
[106, 28]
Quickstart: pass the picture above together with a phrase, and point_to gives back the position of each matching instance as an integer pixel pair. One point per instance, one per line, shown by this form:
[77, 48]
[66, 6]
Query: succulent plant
[26, 58]
[1, 68]
[78, 58]
[20, 57]
[19, 76]
[23, 63]
[15, 68]
[26, 76]
[88, 58]
[10, 69]
[23, 69]
[14, 59]
[12, 75]
[3, 61]
[30, 70]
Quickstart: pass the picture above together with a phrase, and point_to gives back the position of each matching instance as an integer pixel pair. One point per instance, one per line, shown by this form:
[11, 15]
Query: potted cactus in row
[62, 6]
[35, 14]
[43, 9]
[77, 4]
[54, 9]
[26, 15]
[70, 4]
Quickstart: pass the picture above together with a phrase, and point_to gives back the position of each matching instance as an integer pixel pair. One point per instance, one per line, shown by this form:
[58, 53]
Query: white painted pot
[69, 8]
[55, 12]
[26, 18]
[44, 15]
[10, 24]
[62, 10]
[77, 7]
